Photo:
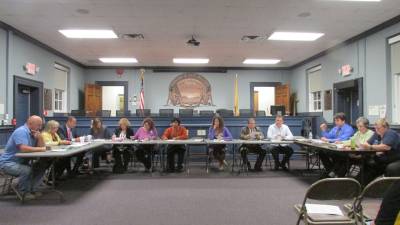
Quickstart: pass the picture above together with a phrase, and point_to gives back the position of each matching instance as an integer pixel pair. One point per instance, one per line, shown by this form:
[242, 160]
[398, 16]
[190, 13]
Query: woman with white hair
[51, 138]
[50, 135]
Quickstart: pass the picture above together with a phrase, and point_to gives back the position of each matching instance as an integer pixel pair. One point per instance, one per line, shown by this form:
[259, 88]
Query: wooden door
[93, 99]
[255, 103]
[282, 96]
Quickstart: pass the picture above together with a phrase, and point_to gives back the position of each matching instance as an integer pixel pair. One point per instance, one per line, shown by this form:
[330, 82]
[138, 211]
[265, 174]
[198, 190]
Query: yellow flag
[236, 104]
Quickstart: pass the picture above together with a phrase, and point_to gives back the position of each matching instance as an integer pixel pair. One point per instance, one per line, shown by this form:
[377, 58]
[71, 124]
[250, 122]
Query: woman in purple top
[219, 132]
[145, 133]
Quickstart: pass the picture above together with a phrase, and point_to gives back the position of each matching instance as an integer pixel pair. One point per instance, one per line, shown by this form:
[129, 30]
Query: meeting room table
[318, 145]
[57, 152]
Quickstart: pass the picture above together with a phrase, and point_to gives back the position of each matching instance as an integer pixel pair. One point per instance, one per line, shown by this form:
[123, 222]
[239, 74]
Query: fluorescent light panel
[118, 60]
[261, 61]
[356, 0]
[191, 60]
[295, 36]
[88, 33]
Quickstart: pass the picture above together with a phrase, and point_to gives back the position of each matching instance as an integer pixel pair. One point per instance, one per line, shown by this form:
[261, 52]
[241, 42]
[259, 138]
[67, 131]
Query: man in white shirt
[279, 131]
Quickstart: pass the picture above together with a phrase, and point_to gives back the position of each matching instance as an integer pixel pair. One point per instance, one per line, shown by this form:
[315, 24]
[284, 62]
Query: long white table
[77, 148]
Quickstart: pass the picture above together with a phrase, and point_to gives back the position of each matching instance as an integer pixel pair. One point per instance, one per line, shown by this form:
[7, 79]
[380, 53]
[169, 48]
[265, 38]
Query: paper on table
[197, 139]
[78, 144]
[324, 209]
[99, 140]
[59, 150]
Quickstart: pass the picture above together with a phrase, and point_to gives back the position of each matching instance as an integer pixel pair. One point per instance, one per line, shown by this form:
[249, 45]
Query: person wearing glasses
[252, 132]
[122, 153]
[387, 142]
[362, 135]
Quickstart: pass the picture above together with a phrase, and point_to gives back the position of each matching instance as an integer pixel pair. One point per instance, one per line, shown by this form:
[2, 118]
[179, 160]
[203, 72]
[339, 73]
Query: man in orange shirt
[175, 132]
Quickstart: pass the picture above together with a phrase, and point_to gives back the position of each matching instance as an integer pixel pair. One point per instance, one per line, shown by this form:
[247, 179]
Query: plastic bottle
[310, 135]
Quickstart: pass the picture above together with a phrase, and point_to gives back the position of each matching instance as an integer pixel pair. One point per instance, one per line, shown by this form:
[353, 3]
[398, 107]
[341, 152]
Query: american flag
[141, 103]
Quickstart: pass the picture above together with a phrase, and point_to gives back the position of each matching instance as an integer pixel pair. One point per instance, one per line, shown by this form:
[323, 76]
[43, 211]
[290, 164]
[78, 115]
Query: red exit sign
[31, 68]
[346, 70]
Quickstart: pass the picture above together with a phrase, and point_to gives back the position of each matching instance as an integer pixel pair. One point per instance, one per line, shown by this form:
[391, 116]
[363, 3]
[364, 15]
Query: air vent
[253, 38]
[132, 36]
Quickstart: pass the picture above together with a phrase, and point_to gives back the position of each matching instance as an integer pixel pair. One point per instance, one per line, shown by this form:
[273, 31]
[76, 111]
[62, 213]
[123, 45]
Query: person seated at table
[252, 132]
[218, 131]
[389, 212]
[121, 153]
[25, 139]
[387, 142]
[280, 131]
[98, 131]
[51, 138]
[144, 151]
[341, 132]
[175, 132]
[360, 137]
[68, 132]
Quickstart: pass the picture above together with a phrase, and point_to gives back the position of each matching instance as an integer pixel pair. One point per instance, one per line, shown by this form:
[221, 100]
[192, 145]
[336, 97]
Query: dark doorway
[348, 98]
[28, 99]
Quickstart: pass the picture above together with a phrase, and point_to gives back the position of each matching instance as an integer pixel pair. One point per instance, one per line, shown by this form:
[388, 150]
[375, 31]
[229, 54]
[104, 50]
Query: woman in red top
[175, 132]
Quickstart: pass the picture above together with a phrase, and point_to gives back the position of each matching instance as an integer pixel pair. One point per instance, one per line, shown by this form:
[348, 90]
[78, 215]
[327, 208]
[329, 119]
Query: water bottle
[310, 136]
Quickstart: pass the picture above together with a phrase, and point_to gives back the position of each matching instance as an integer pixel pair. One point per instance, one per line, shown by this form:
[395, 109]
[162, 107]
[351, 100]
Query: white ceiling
[217, 24]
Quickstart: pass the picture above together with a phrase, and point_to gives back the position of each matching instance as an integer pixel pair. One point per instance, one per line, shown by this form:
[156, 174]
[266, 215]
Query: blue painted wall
[222, 85]
[21, 52]
[368, 57]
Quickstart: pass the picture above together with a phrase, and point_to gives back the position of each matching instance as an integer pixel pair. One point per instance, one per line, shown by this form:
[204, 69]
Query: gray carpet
[137, 198]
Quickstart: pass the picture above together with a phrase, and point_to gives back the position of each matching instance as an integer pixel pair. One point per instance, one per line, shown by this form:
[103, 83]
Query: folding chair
[329, 189]
[368, 203]
[8, 186]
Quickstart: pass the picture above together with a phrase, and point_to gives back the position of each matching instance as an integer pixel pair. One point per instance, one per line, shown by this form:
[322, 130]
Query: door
[93, 97]
[282, 96]
[255, 101]
[23, 105]
[27, 103]
[349, 99]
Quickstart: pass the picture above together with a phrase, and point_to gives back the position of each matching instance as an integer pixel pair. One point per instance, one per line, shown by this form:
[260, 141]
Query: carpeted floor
[178, 199]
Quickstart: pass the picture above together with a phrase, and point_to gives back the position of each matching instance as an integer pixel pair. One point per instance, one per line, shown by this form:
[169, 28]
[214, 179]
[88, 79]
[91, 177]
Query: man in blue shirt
[387, 142]
[26, 138]
[341, 132]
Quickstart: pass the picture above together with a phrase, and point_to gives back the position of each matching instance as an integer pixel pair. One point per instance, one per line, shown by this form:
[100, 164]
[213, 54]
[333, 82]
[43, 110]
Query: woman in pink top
[145, 133]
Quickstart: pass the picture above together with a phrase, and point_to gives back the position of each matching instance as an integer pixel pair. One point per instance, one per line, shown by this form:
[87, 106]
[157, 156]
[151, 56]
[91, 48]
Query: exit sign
[31, 68]
[346, 70]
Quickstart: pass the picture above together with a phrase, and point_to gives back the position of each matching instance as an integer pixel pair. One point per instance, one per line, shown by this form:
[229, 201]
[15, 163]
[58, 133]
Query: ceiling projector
[193, 42]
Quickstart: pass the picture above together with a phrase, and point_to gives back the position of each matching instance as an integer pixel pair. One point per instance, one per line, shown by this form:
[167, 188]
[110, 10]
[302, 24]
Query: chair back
[260, 113]
[185, 112]
[143, 113]
[122, 113]
[78, 112]
[246, 112]
[166, 112]
[103, 113]
[378, 187]
[334, 189]
[206, 113]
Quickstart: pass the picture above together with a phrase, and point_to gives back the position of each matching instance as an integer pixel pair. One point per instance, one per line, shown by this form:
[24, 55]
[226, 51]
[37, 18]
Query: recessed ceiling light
[82, 11]
[88, 33]
[261, 61]
[295, 36]
[191, 60]
[354, 0]
[118, 60]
